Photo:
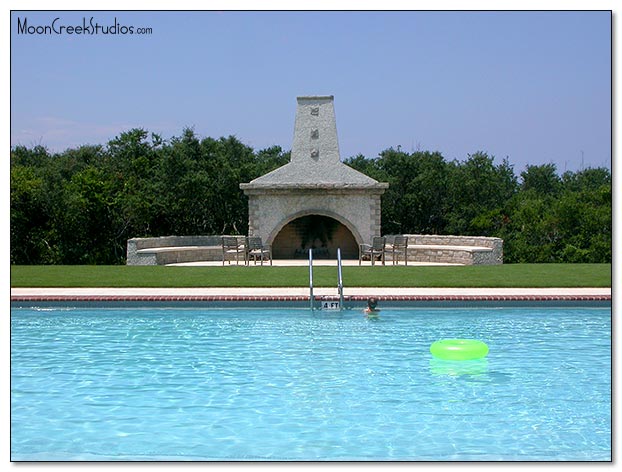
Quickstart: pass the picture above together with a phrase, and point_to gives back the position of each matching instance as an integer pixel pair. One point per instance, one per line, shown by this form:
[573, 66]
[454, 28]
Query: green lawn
[507, 275]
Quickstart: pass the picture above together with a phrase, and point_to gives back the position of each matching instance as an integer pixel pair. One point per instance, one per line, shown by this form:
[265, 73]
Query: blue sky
[534, 87]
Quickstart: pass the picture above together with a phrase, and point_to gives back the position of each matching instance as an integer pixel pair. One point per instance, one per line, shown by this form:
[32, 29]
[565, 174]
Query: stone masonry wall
[269, 211]
[468, 250]
[136, 244]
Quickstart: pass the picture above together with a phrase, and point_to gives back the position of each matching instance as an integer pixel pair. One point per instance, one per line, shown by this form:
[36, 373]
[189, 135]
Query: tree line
[80, 206]
[540, 215]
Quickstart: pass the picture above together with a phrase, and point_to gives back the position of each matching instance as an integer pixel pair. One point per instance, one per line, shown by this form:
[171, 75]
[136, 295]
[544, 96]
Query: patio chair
[231, 248]
[376, 249]
[255, 249]
[399, 248]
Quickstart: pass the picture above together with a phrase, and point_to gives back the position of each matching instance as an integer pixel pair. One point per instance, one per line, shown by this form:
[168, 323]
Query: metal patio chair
[256, 249]
[377, 248]
[399, 248]
[232, 248]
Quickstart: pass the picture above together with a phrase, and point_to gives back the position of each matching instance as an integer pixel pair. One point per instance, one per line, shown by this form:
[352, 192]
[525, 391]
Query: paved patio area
[305, 262]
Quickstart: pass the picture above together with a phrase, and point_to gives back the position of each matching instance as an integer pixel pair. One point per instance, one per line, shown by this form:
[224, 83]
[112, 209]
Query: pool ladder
[311, 299]
[339, 279]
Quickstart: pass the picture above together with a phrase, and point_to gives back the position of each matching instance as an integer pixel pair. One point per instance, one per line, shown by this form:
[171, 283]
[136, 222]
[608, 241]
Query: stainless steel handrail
[311, 278]
[340, 277]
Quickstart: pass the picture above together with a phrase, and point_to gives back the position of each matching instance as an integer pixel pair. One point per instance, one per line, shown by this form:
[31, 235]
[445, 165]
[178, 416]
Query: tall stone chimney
[314, 182]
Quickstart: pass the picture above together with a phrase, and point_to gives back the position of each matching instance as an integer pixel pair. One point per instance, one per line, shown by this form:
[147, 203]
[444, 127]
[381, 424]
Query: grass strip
[502, 276]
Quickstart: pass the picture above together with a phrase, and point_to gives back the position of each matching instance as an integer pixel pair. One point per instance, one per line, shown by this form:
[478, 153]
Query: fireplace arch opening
[321, 233]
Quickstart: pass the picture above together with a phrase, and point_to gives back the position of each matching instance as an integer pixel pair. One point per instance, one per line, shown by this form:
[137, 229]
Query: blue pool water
[287, 384]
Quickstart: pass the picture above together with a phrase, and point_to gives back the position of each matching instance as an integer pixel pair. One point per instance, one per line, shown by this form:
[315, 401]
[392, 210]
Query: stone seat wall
[174, 249]
[466, 250]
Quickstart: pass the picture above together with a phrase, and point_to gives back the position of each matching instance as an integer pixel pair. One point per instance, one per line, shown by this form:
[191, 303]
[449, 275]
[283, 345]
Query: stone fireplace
[315, 201]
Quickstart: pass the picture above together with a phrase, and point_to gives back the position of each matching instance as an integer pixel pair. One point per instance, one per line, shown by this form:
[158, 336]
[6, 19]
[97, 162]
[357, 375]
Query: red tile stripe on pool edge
[273, 298]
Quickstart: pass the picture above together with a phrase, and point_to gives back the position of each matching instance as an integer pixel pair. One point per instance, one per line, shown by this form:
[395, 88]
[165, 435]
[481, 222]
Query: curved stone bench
[175, 255]
[173, 249]
[465, 250]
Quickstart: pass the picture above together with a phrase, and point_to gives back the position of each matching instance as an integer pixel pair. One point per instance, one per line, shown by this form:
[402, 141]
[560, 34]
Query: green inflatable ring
[459, 349]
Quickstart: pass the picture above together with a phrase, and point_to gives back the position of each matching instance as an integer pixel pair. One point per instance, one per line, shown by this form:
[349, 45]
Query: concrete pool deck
[300, 294]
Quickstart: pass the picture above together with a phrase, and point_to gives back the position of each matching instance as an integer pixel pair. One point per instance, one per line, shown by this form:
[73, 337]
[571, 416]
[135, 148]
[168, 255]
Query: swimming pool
[291, 384]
